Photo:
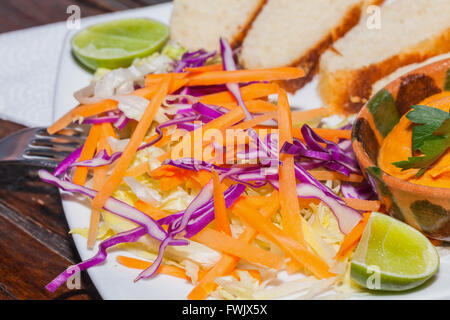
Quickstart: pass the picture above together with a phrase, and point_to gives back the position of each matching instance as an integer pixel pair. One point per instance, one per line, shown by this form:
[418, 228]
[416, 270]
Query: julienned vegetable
[232, 192]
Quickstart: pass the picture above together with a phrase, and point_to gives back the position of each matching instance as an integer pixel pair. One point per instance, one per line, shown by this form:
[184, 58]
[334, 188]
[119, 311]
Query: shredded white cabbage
[119, 83]
[192, 270]
[144, 193]
[320, 227]
[132, 106]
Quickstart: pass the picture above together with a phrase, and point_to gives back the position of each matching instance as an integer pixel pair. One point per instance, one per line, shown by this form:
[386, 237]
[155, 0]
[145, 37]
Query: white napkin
[29, 64]
[28, 68]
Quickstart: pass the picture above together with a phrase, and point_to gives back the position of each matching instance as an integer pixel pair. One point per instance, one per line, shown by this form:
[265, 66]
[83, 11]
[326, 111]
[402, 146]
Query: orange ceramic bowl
[423, 207]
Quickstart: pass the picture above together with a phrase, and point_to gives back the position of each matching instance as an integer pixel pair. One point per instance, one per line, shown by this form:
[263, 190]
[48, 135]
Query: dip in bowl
[382, 135]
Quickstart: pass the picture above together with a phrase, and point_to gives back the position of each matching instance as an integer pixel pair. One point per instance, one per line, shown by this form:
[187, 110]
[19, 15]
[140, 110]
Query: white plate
[114, 281]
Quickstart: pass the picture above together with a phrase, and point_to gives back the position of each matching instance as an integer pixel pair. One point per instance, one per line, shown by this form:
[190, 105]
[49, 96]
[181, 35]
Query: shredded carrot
[149, 92]
[144, 167]
[95, 214]
[207, 284]
[255, 121]
[142, 265]
[228, 263]
[150, 210]
[169, 183]
[202, 177]
[239, 76]
[304, 203]
[138, 170]
[363, 205]
[127, 156]
[212, 67]
[260, 201]
[307, 115]
[220, 210]
[223, 122]
[330, 134]
[258, 106]
[146, 92]
[154, 79]
[332, 175]
[292, 248]
[100, 175]
[290, 210]
[177, 272]
[89, 110]
[165, 140]
[192, 184]
[164, 171]
[87, 153]
[62, 122]
[108, 130]
[351, 240]
[250, 92]
[177, 84]
[235, 247]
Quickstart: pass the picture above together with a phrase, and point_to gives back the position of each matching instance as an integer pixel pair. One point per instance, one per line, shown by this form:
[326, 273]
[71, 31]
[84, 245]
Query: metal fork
[34, 146]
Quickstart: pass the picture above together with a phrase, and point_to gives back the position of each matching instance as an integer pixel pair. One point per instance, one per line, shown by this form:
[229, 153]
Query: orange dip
[397, 147]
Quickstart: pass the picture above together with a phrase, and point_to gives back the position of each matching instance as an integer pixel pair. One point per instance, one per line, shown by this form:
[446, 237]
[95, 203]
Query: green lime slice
[117, 43]
[393, 256]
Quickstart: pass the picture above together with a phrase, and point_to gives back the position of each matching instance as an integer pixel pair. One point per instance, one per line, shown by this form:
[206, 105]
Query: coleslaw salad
[233, 216]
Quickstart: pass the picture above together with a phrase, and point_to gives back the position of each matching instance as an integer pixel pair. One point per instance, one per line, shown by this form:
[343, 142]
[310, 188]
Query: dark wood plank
[5, 295]
[20, 14]
[27, 266]
[35, 245]
[55, 242]
[36, 202]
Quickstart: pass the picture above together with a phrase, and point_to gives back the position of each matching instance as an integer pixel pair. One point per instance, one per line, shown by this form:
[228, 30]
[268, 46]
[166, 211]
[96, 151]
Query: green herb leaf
[432, 150]
[431, 137]
[431, 119]
[444, 129]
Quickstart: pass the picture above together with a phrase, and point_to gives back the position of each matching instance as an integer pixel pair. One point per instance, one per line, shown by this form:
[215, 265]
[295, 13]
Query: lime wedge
[117, 43]
[393, 256]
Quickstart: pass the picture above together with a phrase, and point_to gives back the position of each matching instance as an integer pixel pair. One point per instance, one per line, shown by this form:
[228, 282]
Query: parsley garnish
[431, 136]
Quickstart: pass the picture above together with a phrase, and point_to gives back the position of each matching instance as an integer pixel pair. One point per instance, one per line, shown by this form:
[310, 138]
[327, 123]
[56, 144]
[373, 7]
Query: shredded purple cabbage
[127, 236]
[361, 190]
[200, 212]
[192, 60]
[335, 157]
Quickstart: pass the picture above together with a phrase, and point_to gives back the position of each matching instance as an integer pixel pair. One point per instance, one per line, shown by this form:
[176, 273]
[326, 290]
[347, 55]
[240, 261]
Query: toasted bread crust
[310, 61]
[346, 91]
[186, 31]
[239, 37]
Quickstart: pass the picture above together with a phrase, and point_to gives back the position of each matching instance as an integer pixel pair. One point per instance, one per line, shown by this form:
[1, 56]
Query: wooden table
[34, 241]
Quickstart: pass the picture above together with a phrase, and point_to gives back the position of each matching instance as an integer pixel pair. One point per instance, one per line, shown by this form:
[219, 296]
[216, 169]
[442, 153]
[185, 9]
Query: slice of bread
[411, 32]
[199, 24]
[296, 33]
